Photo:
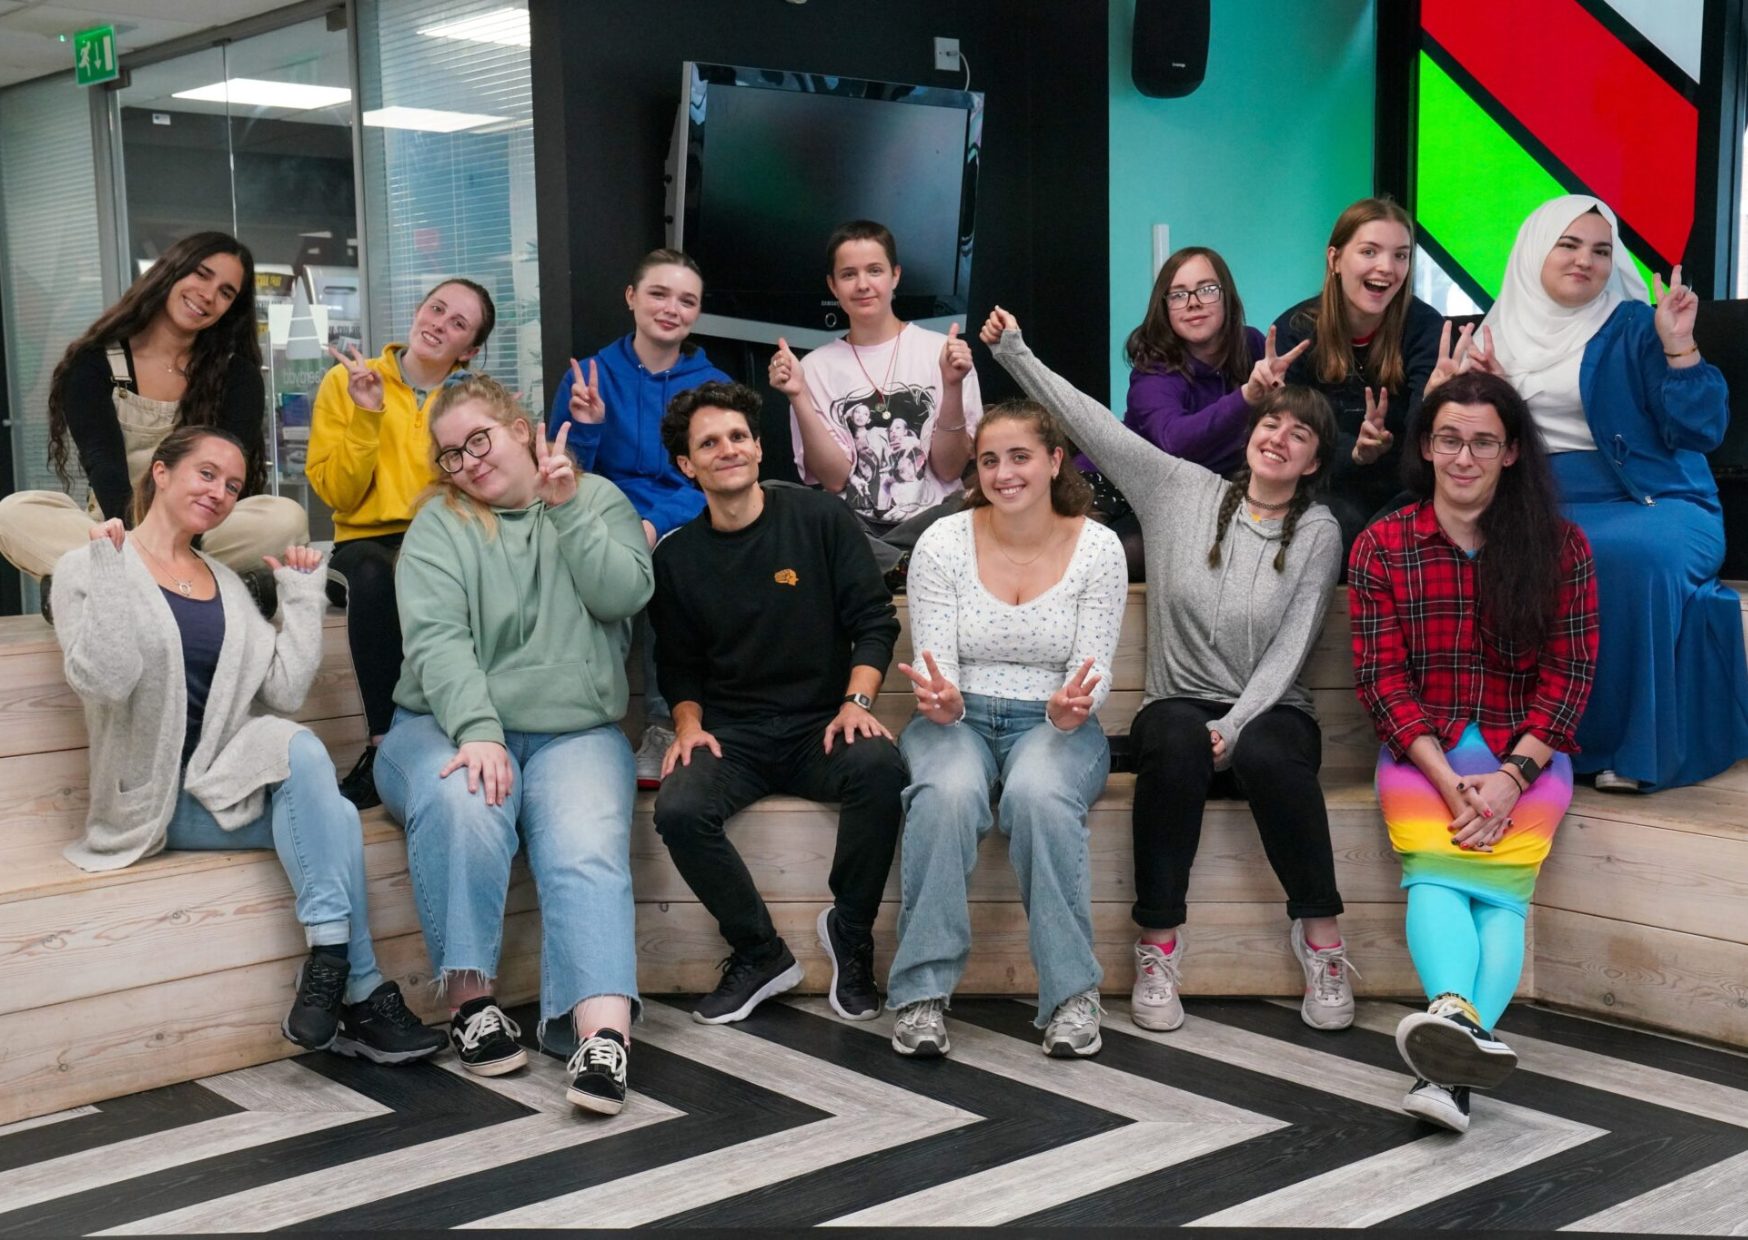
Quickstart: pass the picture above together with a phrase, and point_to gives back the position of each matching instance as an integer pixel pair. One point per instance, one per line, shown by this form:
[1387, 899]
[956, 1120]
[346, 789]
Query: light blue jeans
[316, 834]
[1047, 779]
[569, 806]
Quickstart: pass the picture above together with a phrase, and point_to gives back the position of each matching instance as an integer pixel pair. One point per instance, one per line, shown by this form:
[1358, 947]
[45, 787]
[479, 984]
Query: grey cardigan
[123, 657]
[1238, 633]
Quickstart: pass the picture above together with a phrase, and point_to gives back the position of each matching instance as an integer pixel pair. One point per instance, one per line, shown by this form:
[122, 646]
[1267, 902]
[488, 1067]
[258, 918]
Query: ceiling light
[257, 93]
[430, 120]
[506, 27]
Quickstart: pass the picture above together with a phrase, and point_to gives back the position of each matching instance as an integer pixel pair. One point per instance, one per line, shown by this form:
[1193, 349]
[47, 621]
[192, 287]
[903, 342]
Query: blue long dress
[1670, 702]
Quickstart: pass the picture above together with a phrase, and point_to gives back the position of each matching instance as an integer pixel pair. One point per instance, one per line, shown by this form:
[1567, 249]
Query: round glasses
[475, 445]
[1484, 448]
[1205, 295]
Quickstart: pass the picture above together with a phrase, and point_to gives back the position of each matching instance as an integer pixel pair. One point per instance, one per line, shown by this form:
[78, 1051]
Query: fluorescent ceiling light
[431, 120]
[505, 27]
[258, 93]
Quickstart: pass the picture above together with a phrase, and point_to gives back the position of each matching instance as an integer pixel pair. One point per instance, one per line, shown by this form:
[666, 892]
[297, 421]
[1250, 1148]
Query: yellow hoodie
[370, 466]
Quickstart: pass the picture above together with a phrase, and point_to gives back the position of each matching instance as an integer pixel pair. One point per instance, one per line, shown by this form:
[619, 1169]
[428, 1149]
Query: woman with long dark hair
[1629, 409]
[1374, 345]
[1240, 574]
[1475, 639]
[179, 349]
[1015, 608]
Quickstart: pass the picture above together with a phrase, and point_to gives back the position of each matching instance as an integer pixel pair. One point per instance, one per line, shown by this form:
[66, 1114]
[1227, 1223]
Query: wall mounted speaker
[1170, 55]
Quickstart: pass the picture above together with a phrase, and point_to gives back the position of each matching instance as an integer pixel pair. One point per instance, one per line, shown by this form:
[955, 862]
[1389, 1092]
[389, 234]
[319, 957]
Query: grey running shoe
[1073, 1031]
[921, 1029]
[1154, 1003]
[1447, 1045]
[1448, 1108]
[1328, 989]
[652, 751]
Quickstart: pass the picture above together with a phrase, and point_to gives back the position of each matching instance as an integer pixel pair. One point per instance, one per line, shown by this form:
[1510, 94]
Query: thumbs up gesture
[955, 358]
[785, 372]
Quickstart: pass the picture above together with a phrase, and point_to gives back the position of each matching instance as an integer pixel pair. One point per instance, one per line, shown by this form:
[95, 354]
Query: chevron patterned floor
[1243, 1119]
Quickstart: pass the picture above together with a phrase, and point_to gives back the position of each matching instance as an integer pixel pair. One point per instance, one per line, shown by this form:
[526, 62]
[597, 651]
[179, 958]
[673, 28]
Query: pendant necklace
[880, 405]
[184, 588]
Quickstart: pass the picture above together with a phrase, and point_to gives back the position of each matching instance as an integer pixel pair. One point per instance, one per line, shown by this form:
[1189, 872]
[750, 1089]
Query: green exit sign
[94, 58]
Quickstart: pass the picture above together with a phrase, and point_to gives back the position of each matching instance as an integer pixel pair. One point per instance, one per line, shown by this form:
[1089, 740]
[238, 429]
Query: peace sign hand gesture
[785, 372]
[1677, 308]
[1373, 440]
[1070, 705]
[1271, 372]
[999, 321]
[586, 403]
[363, 384]
[937, 698]
[955, 358]
[558, 475]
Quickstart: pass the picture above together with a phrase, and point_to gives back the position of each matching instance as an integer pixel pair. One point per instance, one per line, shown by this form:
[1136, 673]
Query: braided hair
[1310, 409]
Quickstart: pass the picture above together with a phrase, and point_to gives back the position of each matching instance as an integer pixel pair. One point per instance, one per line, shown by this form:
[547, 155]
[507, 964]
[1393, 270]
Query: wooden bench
[182, 966]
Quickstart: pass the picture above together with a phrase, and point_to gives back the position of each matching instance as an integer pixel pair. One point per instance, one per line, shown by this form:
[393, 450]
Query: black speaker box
[1170, 56]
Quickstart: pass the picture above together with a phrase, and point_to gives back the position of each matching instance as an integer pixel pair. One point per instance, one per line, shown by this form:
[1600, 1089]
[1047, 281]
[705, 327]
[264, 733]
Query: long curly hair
[1332, 348]
[232, 335]
[1154, 344]
[1310, 408]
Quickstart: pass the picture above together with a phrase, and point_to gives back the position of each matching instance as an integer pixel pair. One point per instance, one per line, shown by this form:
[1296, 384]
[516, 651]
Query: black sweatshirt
[768, 620]
[90, 408]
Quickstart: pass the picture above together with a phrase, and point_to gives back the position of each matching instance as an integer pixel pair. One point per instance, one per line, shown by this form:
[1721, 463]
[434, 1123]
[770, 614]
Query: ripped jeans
[569, 806]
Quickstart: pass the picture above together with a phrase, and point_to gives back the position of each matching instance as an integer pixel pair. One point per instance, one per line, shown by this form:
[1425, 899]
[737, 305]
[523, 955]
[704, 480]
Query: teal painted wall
[1257, 163]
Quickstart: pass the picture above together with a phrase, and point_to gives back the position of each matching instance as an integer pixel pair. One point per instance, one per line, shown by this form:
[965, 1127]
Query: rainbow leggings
[1466, 909]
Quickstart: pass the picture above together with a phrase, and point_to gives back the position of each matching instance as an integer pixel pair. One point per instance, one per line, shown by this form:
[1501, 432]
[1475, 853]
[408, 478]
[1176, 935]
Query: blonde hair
[460, 388]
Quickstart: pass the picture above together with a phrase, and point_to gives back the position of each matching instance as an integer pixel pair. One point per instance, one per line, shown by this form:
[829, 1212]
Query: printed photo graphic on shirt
[888, 464]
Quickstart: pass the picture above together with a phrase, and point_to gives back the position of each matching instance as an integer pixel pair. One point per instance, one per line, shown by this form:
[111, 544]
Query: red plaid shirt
[1424, 660]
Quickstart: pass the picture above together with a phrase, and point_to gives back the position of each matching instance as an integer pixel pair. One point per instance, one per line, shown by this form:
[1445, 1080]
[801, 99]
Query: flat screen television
[765, 163]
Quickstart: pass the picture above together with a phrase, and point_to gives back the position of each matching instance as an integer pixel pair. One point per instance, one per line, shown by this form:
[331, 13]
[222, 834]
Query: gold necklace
[879, 392]
[184, 588]
[1008, 556]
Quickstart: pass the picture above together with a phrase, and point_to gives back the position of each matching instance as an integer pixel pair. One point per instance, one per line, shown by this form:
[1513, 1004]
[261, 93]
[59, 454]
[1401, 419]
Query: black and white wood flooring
[1243, 1119]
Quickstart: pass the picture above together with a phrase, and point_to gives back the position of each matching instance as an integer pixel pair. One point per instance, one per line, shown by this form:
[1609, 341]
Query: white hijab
[1536, 339]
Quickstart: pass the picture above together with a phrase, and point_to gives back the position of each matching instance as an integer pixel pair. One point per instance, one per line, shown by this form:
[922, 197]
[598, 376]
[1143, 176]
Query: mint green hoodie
[523, 629]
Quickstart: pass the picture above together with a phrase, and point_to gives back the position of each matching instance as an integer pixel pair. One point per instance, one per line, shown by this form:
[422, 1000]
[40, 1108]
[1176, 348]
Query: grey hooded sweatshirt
[1239, 632]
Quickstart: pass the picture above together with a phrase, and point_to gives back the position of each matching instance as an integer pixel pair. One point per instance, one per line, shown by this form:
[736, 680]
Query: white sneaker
[1073, 1031]
[1614, 781]
[651, 752]
[1328, 989]
[1154, 1003]
[1448, 1108]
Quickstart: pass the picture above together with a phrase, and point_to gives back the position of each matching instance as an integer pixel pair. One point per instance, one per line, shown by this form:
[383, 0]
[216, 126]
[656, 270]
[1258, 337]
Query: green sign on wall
[94, 58]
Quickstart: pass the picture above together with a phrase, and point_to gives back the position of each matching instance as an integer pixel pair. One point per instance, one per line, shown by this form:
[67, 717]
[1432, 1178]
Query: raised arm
[297, 646]
[1687, 395]
[601, 540]
[817, 450]
[345, 432]
[1099, 614]
[100, 657]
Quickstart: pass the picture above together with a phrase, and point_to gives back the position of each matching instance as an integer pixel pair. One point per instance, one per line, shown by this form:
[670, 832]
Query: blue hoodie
[626, 447]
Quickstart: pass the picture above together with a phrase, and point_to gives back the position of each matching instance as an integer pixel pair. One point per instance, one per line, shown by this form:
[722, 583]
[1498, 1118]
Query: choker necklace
[184, 588]
[879, 391]
[1256, 503]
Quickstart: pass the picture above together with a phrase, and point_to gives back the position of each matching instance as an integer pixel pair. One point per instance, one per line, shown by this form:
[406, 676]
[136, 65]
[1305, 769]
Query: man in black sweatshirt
[773, 631]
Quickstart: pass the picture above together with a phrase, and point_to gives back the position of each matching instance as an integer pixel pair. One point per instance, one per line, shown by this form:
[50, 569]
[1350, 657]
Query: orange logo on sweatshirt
[785, 577]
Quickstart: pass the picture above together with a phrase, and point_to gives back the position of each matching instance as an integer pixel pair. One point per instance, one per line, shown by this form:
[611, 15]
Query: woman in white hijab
[1628, 409]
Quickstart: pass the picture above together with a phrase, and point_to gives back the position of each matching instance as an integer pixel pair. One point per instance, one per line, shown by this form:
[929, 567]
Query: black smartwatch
[1526, 766]
[860, 699]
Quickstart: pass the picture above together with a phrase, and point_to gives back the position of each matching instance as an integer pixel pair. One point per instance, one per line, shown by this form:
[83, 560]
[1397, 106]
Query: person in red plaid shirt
[1474, 638]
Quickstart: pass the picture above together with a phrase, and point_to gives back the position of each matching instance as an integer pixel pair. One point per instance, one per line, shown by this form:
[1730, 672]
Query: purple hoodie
[1198, 416]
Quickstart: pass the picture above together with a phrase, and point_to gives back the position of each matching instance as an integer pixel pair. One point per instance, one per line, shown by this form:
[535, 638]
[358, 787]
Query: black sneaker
[42, 590]
[314, 1018]
[485, 1039]
[263, 589]
[382, 1029]
[359, 784]
[1447, 1045]
[854, 995]
[1448, 1108]
[598, 1073]
[746, 983]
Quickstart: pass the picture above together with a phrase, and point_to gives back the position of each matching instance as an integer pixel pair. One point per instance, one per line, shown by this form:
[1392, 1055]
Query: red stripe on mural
[1602, 111]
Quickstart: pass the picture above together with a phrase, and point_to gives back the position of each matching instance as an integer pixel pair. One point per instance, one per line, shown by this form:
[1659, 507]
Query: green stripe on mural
[1474, 185]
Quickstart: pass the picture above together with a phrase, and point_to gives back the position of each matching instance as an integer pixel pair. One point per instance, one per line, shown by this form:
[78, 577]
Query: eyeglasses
[1483, 449]
[1206, 295]
[475, 445]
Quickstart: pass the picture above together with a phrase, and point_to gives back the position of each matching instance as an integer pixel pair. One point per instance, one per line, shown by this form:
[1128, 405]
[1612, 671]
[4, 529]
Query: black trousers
[373, 622]
[782, 755]
[1274, 767]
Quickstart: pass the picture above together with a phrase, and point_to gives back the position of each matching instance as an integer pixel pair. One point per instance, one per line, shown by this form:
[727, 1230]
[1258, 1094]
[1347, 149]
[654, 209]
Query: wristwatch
[1526, 766]
[860, 699]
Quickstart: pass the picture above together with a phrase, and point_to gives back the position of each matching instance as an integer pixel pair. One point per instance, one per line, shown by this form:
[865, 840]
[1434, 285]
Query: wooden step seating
[182, 966]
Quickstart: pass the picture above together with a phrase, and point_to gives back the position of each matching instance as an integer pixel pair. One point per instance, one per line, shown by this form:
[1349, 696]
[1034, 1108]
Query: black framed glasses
[1205, 295]
[475, 445]
[1484, 448]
